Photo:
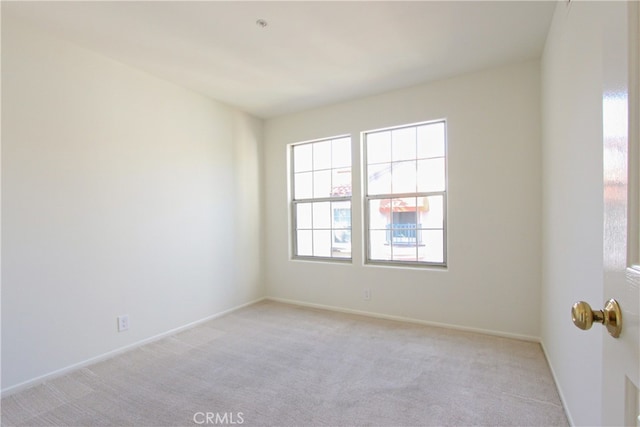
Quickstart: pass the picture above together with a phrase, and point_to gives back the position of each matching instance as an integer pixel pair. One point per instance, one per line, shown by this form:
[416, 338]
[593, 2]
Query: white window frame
[368, 198]
[295, 202]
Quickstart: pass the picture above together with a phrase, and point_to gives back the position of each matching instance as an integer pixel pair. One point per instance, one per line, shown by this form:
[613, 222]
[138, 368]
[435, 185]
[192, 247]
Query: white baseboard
[59, 372]
[558, 388]
[407, 319]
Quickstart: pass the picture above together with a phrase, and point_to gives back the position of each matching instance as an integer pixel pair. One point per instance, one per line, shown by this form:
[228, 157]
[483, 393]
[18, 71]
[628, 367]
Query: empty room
[327, 213]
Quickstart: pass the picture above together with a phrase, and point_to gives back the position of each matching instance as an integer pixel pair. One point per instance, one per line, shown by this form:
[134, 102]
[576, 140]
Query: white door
[621, 360]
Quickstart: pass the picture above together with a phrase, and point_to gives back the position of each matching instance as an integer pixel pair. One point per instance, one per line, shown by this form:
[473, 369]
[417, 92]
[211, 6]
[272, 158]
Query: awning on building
[408, 204]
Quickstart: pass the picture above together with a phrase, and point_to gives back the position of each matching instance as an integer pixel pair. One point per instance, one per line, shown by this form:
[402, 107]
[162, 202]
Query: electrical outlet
[123, 323]
[367, 294]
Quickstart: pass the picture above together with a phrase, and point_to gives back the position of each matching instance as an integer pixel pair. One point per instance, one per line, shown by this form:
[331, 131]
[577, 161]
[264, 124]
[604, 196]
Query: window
[321, 193]
[406, 194]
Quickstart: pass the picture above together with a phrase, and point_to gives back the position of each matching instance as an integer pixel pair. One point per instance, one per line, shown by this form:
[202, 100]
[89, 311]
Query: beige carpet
[272, 364]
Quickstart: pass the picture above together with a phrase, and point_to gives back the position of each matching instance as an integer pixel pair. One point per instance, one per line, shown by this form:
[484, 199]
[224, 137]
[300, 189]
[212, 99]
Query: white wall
[493, 279]
[121, 194]
[572, 202]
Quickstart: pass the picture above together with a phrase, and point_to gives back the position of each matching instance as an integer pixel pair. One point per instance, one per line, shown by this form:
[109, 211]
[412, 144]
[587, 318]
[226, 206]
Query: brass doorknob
[611, 317]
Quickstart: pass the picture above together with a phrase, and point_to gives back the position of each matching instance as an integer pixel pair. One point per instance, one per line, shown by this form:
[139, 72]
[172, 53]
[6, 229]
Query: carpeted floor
[273, 364]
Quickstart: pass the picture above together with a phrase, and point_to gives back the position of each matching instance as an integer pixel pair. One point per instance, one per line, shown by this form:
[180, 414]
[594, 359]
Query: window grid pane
[323, 229]
[321, 206]
[406, 194]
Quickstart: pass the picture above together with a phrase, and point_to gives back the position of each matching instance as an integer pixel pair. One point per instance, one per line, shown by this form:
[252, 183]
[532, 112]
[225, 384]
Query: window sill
[407, 266]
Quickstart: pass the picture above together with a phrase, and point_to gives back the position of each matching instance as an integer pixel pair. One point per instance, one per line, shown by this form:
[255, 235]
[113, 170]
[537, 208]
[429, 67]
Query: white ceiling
[310, 54]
